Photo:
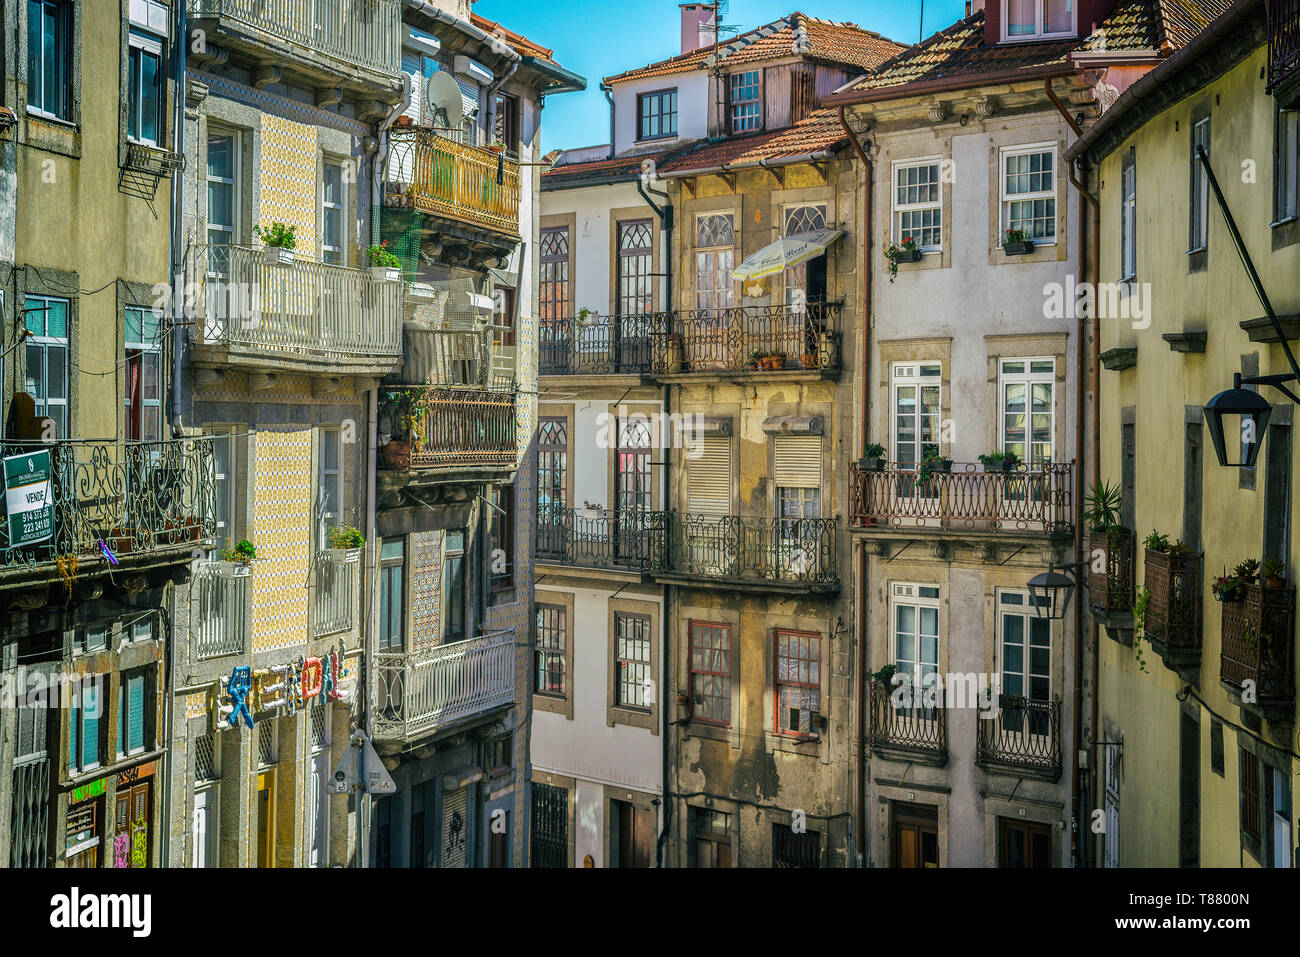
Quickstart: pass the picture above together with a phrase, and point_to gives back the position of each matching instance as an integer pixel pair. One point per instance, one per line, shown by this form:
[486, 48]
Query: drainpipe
[367, 616]
[864, 323]
[609, 98]
[1085, 393]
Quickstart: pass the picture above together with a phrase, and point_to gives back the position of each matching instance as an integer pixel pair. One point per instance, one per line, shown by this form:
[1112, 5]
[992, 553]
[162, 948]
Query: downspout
[367, 637]
[1085, 387]
[864, 323]
[609, 98]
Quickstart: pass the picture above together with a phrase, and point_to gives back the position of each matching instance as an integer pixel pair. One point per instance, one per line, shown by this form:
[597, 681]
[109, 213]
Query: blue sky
[597, 38]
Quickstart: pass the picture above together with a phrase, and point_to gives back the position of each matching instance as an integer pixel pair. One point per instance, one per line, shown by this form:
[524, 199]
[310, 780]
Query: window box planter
[1111, 590]
[232, 569]
[907, 256]
[1018, 249]
[1173, 612]
[278, 256]
[999, 466]
[397, 455]
[385, 273]
[345, 556]
[871, 464]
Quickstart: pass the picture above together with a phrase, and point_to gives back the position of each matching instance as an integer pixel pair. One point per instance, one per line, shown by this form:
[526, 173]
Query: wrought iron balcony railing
[748, 339]
[1035, 498]
[302, 308]
[440, 428]
[1258, 641]
[130, 499]
[1110, 589]
[467, 358]
[789, 550]
[420, 692]
[1173, 614]
[918, 730]
[599, 345]
[219, 625]
[1283, 41]
[429, 172]
[1025, 734]
[356, 33]
[332, 606]
[627, 540]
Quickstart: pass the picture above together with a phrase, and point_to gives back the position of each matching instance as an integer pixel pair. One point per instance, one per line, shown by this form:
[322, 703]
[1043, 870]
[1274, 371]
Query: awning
[789, 251]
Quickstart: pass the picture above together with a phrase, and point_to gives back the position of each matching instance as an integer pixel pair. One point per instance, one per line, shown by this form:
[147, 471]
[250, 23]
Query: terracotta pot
[1270, 582]
[397, 455]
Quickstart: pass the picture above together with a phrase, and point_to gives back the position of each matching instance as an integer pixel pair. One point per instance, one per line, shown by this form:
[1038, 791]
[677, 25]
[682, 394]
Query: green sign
[91, 790]
[28, 501]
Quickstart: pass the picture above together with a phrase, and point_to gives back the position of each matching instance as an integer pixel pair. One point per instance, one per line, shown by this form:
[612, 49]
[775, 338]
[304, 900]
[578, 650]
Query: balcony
[1034, 500]
[333, 600]
[795, 341]
[423, 692]
[351, 44]
[1173, 614]
[907, 733]
[1110, 589]
[765, 554]
[598, 345]
[434, 429]
[1258, 645]
[585, 538]
[145, 503]
[1024, 737]
[301, 316]
[1284, 51]
[437, 176]
[220, 627]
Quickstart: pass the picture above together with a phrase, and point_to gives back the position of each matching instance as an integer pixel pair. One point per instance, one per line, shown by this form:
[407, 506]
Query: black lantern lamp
[1050, 591]
[1237, 419]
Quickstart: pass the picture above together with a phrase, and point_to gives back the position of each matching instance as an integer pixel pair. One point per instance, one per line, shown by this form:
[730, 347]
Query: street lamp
[1050, 591]
[1247, 413]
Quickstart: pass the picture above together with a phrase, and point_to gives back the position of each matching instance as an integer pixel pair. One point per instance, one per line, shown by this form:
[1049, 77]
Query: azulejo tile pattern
[426, 590]
[282, 536]
[288, 180]
[271, 103]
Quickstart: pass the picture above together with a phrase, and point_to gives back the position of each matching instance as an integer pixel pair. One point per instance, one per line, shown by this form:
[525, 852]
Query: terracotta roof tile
[620, 167]
[818, 131]
[518, 42]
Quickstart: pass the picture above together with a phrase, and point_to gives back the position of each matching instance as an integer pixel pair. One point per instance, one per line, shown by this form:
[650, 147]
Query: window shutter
[90, 735]
[708, 477]
[135, 715]
[798, 461]
[455, 828]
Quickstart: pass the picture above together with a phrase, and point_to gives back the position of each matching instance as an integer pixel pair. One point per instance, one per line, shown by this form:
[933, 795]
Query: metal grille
[266, 741]
[320, 726]
[334, 582]
[205, 758]
[795, 850]
[549, 837]
[31, 814]
[455, 828]
[220, 626]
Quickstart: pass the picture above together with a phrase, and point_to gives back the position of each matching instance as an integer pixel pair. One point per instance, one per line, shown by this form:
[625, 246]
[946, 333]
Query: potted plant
[999, 461]
[384, 264]
[1274, 574]
[1155, 542]
[237, 561]
[346, 543]
[277, 243]
[873, 458]
[1247, 570]
[777, 361]
[1228, 588]
[885, 675]
[932, 465]
[1111, 587]
[904, 252]
[1016, 242]
[756, 359]
[809, 360]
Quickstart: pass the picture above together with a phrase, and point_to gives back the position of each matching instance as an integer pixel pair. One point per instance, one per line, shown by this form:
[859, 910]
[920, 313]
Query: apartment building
[693, 668]
[103, 512]
[970, 431]
[1197, 696]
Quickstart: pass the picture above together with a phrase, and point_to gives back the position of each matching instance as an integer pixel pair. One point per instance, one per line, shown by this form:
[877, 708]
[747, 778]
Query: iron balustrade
[598, 345]
[726, 340]
[471, 358]
[1258, 641]
[220, 626]
[1110, 588]
[795, 550]
[432, 173]
[1283, 41]
[585, 538]
[442, 428]
[332, 606]
[1035, 498]
[420, 692]
[1173, 613]
[906, 727]
[131, 498]
[313, 309]
[357, 33]
[1025, 733]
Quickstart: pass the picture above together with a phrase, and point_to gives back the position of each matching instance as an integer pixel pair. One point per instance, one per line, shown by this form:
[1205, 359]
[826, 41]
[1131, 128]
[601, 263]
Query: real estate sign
[28, 501]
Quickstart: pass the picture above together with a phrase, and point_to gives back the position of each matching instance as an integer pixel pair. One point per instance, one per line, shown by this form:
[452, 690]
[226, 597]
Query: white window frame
[908, 374]
[1128, 220]
[236, 145]
[45, 402]
[897, 208]
[1199, 201]
[329, 437]
[318, 810]
[1028, 379]
[147, 44]
[1026, 612]
[1039, 22]
[1006, 199]
[330, 253]
[223, 485]
[915, 595]
[65, 46]
[146, 349]
[1287, 167]
[710, 258]
[207, 799]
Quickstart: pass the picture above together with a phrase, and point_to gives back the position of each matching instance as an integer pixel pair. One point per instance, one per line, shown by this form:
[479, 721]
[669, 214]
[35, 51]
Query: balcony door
[915, 836]
[633, 494]
[630, 327]
[636, 835]
[1024, 843]
[1025, 660]
[915, 402]
[915, 624]
[552, 486]
[1026, 422]
[553, 285]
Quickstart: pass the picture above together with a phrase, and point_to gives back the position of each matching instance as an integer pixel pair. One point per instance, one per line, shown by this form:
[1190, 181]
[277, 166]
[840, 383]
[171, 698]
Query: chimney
[697, 26]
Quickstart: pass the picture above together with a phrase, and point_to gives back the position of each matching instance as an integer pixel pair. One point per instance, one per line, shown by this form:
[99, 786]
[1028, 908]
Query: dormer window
[746, 112]
[1037, 19]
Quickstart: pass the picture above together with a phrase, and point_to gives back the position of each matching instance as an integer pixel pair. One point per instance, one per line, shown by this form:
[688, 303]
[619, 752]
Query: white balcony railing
[333, 601]
[219, 628]
[423, 691]
[304, 307]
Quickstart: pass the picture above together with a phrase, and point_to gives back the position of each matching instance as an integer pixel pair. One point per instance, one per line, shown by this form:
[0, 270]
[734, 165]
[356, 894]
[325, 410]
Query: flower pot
[232, 569]
[345, 556]
[1018, 249]
[941, 466]
[397, 455]
[385, 273]
[810, 360]
[997, 467]
[1271, 582]
[871, 464]
[277, 256]
[907, 256]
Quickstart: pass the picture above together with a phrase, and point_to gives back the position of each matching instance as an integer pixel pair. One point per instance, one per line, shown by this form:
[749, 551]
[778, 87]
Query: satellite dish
[443, 100]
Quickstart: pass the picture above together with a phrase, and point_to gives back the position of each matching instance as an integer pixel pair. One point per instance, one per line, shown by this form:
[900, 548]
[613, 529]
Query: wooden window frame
[778, 725]
[738, 81]
[727, 676]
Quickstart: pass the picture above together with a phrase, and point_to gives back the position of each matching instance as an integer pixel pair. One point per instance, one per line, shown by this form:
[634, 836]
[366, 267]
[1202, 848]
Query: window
[145, 78]
[798, 682]
[797, 474]
[503, 314]
[552, 643]
[1128, 218]
[329, 484]
[392, 585]
[142, 629]
[1024, 844]
[1025, 657]
[498, 754]
[204, 831]
[746, 110]
[554, 277]
[918, 204]
[915, 624]
[454, 586]
[548, 839]
[805, 282]
[132, 713]
[1249, 764]
[635, 258]
[791, 849]
[552, 463]
[710, 837]
[1216, 746]
[711, 672]
[317, 798]
[143, 375]
[85, 729]
[332, 205]
[1035, 19]
[1282, 844]
[90, 639]
[506, 119]
[223, 189]
[1029, 192]
[1200, 186]
[715, 257]
[1028, 415]
[502, 560]
[708, 477]
[915, 388]
[49, 58]
[223, 486]
[631, 660]
[47, 358]
[1287, 166]
[656, 115]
